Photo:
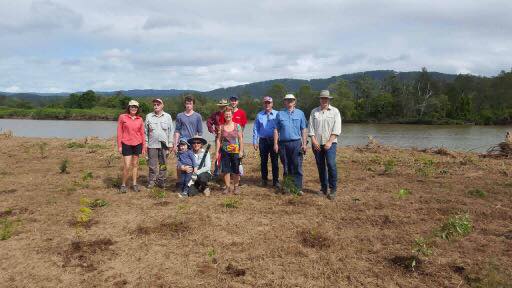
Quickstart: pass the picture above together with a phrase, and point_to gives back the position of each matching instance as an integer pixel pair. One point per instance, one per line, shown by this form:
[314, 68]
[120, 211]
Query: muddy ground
[154, 239]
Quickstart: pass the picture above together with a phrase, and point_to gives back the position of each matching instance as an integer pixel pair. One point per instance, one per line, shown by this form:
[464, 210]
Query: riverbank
[60, 114]
[389, 199]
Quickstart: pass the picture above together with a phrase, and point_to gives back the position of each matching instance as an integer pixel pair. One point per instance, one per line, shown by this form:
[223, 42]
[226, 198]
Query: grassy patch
[142, 161]
[477, 193]
[157, 193]
[87, 175]
[314, 238]
[7, 227]
[389, 165]
[402, 193]
[63, 167]
[43, 149]
[231, 202]
[456, 226]
[425, 166]
[491, 276]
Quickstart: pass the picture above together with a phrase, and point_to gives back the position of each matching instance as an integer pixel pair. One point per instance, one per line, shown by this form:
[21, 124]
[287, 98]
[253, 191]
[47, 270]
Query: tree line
[466, 99]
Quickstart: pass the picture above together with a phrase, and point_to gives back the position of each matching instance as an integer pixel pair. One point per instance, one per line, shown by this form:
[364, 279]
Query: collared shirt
[324, 123]
[207, 161]
[290, 124]
[263, 125]
[158, 129]
[130, 131]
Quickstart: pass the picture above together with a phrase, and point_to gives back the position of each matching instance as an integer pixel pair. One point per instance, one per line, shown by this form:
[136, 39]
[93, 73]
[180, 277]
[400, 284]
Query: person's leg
[296, 162]
[284, 159]
[235, 164]
[185, 177]
[135, 168]
[162, 166]
[320, 165]
[127, 161]
[275, 164]
[227, 182]
[332, 169]
[152, 165]
[263, 160]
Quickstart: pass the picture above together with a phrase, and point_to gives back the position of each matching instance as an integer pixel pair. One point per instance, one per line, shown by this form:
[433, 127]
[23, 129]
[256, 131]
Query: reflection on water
[459, 137]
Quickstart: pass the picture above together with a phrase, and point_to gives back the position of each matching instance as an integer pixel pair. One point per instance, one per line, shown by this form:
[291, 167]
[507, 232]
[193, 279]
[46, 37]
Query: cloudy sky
[71, 45]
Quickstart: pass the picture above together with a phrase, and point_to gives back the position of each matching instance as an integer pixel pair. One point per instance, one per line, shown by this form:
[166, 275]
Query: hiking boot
[277, 185]
[226, 190]
[321, 192]
[123, 189]
[331, 196]
[206, 192]
[160, 185]
[135, 188]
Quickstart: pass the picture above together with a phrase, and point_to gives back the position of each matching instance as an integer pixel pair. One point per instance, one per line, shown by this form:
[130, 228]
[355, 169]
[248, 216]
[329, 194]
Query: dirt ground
[154, 239]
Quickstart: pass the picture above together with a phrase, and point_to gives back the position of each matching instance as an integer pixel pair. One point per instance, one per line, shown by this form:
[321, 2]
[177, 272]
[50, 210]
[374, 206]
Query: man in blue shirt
[290, 137]
[263, 139]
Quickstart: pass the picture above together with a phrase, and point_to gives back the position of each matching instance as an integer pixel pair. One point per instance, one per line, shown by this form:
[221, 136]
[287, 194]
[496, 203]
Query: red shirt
[239, 117]
[130, 131]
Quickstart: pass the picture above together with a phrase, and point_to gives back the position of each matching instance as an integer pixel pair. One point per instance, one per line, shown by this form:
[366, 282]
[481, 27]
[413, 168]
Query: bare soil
[364, 238]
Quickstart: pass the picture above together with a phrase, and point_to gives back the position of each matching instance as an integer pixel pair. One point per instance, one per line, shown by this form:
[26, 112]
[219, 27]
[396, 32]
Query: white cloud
[110, 45]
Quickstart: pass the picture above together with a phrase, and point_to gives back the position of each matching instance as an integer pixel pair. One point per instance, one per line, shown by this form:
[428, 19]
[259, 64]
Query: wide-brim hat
[222, 102]
[133, 103]
[325, 94]
[191, 140]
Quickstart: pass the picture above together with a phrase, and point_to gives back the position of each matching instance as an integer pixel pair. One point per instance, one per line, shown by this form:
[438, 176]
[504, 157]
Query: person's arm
[276, 133]
[170, 139]
[143, 136]
[241, 141]
[207, 164]
[217, 143]
[199, 125]
[255, 136]
[177, 132]
[146, 130]
[336, 131]
[304, 129]
[314, 141]
[119, 133]
[210, 123]
[243, 119]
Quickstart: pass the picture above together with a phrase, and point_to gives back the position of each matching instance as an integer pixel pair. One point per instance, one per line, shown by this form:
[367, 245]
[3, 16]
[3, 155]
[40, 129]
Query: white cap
[133, 103]
[289, 96]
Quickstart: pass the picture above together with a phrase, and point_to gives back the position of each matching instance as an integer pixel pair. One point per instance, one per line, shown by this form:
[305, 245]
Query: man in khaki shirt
[324, 129]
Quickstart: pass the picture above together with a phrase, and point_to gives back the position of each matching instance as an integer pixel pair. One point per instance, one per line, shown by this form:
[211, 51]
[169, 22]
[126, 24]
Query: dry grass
[362, 239]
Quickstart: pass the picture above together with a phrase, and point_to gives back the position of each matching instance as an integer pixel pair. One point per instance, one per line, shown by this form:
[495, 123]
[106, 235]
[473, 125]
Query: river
[453, 137]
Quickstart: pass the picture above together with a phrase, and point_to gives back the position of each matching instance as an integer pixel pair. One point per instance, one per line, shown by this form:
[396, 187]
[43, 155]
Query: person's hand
[315, 144]
[304, 149]
[174, 148]
[255, 147]
[120, 149]
[327, 146]
[217, 156]
[276, 148]
[144, 150]
[242, 155]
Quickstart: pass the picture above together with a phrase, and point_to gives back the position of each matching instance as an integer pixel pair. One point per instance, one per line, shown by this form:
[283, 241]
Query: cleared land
[389, 198]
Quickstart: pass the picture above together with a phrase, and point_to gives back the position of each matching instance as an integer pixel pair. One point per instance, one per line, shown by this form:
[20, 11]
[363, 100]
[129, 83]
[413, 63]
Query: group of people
[276, 134]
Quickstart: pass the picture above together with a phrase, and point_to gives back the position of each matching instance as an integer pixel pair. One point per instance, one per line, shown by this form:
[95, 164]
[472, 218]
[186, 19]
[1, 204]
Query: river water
[453, 137]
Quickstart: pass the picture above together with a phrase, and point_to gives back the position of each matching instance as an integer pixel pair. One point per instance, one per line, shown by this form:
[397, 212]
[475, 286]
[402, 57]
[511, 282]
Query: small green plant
[96, 203]
[142, 161]
[477, 193]
[231, 202]
[289, 185]
[402, 193]
[84, 216]
[43, 148]
[422, 246]
[75, 145]
[425, 167]
[389, 166]
[87, 175]
[158, 193]
[6, 228]
[63, 167]
[456, 226]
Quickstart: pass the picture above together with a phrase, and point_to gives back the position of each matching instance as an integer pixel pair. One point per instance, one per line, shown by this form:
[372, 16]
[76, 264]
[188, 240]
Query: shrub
[64, 166]
[289, 185]
[158, 193]
[389, 165]
[43, 147]
[425, 167]
[142, 161]
[422, 246]
[87, 175]
[456, 226]
[402, 193]
[75, 145]
[477, 193]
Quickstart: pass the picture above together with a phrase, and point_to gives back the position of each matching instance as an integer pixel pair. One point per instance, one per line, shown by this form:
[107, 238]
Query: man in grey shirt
[158, 128]
[324, 129]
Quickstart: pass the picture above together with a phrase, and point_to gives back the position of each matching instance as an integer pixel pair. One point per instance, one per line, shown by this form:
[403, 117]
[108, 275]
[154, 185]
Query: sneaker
[206, 192]
[331, 196]
[160, 185]
[236, 191]
[123, 189]
[225, 191]
[135, 188]
[264, 183]
[321, 192]
[300, 193]
[151, 185]
[183, 195]
[277, 185]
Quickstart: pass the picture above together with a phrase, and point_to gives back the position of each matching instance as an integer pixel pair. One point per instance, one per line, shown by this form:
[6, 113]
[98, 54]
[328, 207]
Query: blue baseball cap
[233, 97]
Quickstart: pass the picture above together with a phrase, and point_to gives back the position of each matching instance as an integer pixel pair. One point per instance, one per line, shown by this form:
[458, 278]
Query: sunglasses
[267, 102]
[133, 106]
[193, 143]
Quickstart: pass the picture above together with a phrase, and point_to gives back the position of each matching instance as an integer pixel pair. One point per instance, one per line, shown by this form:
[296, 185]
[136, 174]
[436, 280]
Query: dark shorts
[230, 162]
[129, 150]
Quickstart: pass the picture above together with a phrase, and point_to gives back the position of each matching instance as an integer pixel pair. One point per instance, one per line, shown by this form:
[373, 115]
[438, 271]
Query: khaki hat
[289, 96]
[325, 94]
[133, 103]
[222, 102]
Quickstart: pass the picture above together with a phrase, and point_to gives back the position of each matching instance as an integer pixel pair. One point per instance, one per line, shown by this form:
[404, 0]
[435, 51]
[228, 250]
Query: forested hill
[260, 88]
[256, 89]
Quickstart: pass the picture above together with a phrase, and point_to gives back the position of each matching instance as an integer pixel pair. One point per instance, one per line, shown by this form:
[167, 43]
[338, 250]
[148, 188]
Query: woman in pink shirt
[130, 142]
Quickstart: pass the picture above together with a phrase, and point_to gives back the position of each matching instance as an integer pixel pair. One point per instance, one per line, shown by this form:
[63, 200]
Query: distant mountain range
[255, 89]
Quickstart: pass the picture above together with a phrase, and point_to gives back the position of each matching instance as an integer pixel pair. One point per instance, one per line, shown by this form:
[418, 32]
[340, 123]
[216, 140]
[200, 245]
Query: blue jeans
[185, 178]
[266, 146]
[291, 156]
[326, 164]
